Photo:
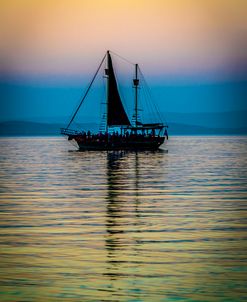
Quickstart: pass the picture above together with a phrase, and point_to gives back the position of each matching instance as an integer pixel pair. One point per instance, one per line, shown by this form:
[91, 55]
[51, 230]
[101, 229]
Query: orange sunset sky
[200, 37]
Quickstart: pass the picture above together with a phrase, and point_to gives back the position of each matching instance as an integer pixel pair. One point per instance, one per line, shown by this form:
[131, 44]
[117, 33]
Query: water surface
[104, 226]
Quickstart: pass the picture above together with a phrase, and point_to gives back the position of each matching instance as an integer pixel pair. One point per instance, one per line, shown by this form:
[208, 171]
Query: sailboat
[119, 132]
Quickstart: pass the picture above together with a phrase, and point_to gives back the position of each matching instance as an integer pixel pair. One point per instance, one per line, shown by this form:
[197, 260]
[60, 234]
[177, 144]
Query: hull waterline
[153, 144]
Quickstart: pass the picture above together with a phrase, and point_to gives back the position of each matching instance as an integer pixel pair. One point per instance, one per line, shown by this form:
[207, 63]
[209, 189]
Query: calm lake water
[148, 226]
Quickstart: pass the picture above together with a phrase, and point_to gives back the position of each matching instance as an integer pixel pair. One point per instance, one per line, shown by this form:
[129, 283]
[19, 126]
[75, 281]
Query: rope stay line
[86, 93]
[161, 117]
[122, 58]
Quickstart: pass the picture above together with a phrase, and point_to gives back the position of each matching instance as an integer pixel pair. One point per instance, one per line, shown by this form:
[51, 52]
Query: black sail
[116, 113]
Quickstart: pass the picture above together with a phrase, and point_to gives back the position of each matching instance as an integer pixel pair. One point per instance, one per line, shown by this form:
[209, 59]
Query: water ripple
[123, 226]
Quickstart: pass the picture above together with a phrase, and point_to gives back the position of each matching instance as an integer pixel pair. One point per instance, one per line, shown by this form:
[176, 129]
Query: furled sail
[116, 114]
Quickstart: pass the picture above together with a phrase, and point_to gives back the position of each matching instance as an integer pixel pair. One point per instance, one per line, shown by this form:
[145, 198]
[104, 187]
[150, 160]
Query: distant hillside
[183, 129]
[21, 128]
[219, 120]
[14, 128]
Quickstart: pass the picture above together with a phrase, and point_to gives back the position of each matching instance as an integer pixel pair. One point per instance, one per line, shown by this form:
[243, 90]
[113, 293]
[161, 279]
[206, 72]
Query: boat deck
[117, 142]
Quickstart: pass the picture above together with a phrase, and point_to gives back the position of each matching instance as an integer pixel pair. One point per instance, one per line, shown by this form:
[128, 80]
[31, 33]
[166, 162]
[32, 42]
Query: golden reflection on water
[98, 226]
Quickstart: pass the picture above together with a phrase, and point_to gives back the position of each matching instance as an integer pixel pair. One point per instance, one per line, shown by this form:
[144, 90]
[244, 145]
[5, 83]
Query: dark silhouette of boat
[119, 132]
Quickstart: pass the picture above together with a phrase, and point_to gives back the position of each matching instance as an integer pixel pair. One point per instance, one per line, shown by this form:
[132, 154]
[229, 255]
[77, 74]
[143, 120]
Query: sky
[192, 52]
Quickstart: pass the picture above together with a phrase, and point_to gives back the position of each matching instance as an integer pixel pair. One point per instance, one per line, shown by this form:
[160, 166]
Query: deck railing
[65, 131]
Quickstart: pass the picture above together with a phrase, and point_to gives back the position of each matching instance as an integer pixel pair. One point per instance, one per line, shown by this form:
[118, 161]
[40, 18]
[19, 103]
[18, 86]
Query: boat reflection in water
[126, 225]
[116, 219]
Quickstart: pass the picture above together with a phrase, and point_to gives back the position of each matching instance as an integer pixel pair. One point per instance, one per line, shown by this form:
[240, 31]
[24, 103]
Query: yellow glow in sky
[167, 36]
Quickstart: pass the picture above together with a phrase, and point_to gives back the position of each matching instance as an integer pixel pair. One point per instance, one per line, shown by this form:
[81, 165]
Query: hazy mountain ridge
[23, 128]
[228, 119]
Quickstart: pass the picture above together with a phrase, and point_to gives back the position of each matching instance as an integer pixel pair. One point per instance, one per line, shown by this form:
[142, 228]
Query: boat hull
[152, 144]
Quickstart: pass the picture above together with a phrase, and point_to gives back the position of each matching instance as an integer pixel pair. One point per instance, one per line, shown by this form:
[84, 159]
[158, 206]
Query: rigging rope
[161, 117]
[91, 83]
[122, 58]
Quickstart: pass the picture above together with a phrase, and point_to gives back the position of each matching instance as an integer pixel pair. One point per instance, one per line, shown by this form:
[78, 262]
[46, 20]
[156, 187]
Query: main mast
[107, 86]
[136, 83]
